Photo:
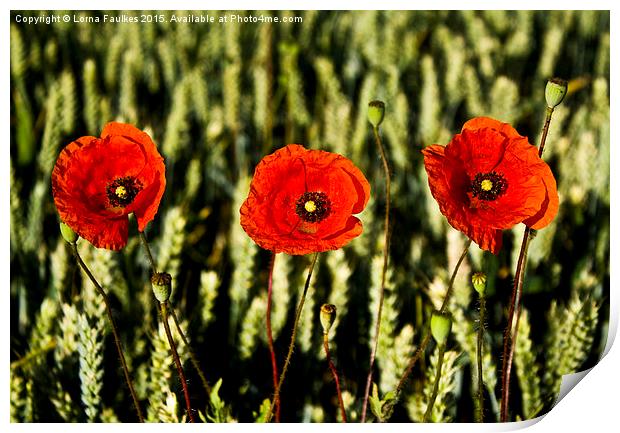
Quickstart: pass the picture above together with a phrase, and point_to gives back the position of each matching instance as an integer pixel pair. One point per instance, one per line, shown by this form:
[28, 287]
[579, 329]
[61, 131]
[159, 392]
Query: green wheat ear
[243, 252]
[569, 341]
[281, 292]
[176, 135]
[431, 75]
[443, 410]
[19, 401]
[170, 245]
[90, 349]
[528, 370]
[69, 102]
[208, 291]
[251, 325]
[430, 102]
[52, 131]
[340, 294]
[163, 403]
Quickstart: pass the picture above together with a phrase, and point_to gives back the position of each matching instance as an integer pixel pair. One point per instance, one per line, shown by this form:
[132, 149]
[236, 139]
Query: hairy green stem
[192, 356]
[291, 346]
[272, 352]
[24, 360]
[164, 316]
[510, 334]
[446, 299]
[332, 367]
[511, 330]
[386, 251]
[145, 244]
[431, 403]
[422, 347]
[480, 415]
[117, 340]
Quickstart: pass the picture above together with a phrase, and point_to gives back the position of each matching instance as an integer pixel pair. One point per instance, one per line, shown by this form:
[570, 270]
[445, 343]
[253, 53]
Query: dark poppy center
[488, 186]
[313, 206]
[123, 190]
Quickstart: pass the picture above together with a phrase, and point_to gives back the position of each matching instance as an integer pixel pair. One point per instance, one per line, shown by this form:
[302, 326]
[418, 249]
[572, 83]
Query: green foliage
[218, 411]
[261, 415]
[381, 407]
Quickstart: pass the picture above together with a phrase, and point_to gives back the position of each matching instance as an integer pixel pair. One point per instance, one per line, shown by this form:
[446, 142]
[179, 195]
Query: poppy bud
[68, 234]
[441, 323]
[555, 91]
[162, 285]
[328, 315]
[479, 281]
[376, 111]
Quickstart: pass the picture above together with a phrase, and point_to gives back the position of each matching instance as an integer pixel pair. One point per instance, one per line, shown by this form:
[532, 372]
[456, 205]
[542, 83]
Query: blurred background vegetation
[216, 98]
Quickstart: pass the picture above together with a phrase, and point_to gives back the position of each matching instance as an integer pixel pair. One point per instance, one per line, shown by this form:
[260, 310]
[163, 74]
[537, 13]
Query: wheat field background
[218, 97]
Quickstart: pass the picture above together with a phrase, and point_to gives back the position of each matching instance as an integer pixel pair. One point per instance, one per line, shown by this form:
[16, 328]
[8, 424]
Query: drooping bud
[555, 91]
[68, 234]
[441, 324]
[162, 286]
[328, 315]
[376, 111]
[479, 281]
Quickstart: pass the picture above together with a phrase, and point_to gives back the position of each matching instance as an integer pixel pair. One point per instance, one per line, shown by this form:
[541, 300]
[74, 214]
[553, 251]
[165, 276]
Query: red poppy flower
[301, 201]
[490, 178]
[98, 182]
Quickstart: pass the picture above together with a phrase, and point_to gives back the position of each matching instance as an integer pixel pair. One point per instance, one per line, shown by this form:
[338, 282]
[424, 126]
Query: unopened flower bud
[441, 324]
[328, 315]
[68, 234]
[555, 91]
[376, 111]
[479, 281]
[162, 285]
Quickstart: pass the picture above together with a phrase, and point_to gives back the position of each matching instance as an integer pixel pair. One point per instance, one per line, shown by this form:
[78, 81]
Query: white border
[592, 405]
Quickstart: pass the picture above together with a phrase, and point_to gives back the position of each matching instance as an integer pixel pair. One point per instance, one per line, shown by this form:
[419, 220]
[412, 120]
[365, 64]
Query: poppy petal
[489, 178]
[486, 122]
[479, 151]
[98, 182]
[550, 206]
[275, 218]
[488, 239]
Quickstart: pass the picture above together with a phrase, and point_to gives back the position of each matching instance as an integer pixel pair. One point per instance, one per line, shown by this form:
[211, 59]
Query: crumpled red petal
[269, 214]
[489, 146]
[88, 165]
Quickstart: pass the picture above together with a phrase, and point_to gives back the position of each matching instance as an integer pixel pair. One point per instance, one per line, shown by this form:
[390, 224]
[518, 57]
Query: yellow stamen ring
[486, 185]
[310, 206]
[121, 192]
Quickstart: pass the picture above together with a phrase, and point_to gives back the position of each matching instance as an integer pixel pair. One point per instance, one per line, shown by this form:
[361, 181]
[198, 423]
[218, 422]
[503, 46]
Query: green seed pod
[479, 281]
[328, 315]
[162, 286]
[441, 324]
[68, 234]
[555, 91]
[376, 111]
